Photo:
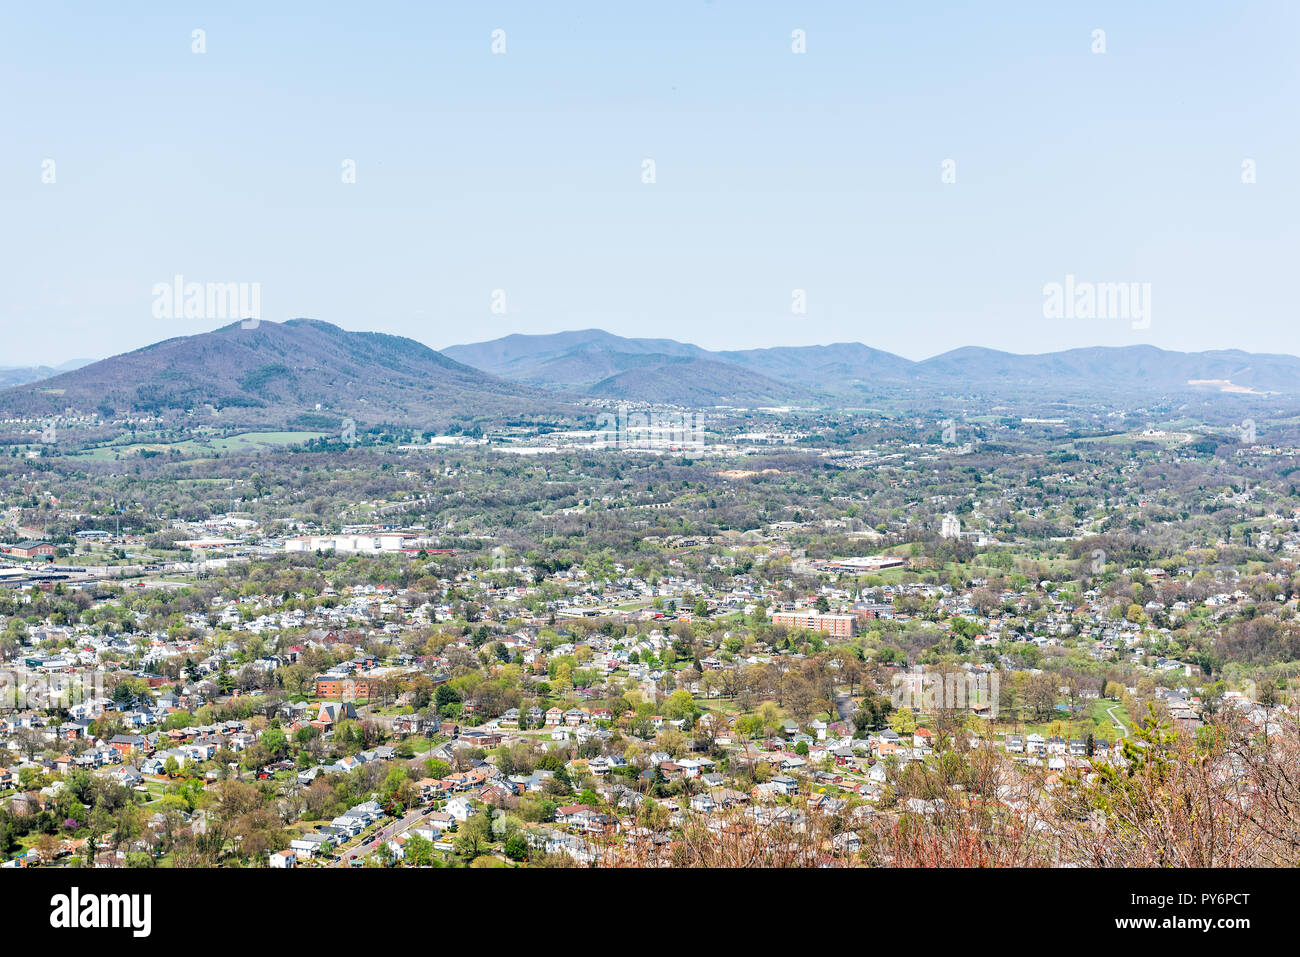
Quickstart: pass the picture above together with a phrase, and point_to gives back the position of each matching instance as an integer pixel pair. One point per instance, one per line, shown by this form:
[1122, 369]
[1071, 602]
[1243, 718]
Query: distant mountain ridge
[305, 373]
[1142, 366]
[280, 373]
[609, 366]
[20, 375]
[600, 363]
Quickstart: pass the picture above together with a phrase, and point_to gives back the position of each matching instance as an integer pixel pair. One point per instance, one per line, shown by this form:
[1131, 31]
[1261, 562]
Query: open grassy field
[1093, 719]
[1167, 438]
[240, 443]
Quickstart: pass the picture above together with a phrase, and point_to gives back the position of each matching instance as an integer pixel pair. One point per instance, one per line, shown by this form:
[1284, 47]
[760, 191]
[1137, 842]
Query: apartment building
[807, 619]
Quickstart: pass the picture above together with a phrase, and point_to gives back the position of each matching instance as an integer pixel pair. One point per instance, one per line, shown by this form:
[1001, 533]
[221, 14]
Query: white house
[460, 809]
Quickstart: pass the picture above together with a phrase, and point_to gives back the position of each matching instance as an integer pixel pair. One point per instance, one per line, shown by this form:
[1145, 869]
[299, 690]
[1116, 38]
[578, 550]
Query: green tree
[419, 851]
[903, 721]
[517, 848]
[473, 836]
[275, 742]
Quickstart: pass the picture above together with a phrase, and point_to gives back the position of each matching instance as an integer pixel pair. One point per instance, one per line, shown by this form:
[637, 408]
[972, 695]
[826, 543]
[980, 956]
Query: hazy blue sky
[775, 171]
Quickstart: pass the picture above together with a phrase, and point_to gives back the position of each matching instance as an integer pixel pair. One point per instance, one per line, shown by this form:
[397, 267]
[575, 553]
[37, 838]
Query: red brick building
[32, 550]
[806, 619]
[343, 688]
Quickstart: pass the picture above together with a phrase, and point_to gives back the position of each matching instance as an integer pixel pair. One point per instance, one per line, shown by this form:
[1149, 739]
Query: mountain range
[20, 375]
[601, 364]
[306, 372]
[303, 371]
[597, 363]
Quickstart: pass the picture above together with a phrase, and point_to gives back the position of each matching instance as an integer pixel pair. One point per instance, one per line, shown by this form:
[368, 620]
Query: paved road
[385, 833]
[1119, 725]
[845, 707]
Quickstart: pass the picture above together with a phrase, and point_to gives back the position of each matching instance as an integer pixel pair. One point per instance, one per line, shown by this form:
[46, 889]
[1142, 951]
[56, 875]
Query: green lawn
[157, 790]
[1092, 720]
